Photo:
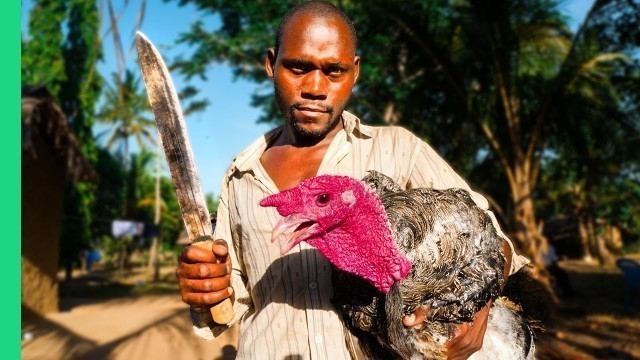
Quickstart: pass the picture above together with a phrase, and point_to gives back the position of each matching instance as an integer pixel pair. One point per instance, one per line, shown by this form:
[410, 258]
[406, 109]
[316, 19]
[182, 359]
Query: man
[284, 301]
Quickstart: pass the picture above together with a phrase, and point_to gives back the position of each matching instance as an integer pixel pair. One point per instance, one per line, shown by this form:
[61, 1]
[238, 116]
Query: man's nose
[315, 85]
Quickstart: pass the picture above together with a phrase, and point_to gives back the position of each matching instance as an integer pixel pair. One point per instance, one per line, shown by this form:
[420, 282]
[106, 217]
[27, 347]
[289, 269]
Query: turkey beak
[293, 227]
[289, 232]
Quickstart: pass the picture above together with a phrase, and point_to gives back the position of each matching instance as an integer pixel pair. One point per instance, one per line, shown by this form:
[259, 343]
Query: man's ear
[270, 62]
[356, 69]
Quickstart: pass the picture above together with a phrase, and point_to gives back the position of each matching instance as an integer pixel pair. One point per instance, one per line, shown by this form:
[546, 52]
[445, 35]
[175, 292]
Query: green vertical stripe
[10, 179]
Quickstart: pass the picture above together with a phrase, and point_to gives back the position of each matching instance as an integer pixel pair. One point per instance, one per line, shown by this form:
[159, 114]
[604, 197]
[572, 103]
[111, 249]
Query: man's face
[314, 73]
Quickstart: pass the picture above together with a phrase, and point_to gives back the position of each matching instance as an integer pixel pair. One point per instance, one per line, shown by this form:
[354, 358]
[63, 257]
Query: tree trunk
[584, 238]
[122, 259]
[154, 254]
[526, 235]
[154, 261]
[519, 170]
[68, 270]
[585, 226]
[600, 247]
[605, 256]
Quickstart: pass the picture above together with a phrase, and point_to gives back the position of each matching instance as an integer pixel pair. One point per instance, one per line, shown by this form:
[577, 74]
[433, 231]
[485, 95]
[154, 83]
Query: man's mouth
[310, 113]
[292, 230]
[311, 110]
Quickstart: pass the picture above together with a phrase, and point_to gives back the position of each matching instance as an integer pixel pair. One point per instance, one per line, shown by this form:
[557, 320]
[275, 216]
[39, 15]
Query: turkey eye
[322, 199]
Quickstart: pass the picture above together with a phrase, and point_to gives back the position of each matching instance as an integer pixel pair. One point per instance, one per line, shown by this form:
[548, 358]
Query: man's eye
[298, 70]
[335, 71]
[323, 199]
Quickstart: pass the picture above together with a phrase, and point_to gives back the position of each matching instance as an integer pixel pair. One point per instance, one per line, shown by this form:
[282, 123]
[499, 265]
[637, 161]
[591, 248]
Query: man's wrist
[508, 257]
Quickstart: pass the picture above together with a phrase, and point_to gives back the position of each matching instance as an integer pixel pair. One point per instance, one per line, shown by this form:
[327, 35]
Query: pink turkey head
[345, 220]
[313, 207]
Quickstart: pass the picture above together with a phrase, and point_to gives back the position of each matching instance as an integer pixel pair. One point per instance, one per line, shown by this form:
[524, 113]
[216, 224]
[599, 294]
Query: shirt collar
[352, 125]
[246, 160]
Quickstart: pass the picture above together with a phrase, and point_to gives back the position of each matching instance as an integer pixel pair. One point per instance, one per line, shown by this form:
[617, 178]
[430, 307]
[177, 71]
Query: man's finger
[206, 299]
[205, 285]
[202, 271]
[195, 254]
[417, 317]
[466, 342]
[468, 337]
[458, 334]
[220, 248]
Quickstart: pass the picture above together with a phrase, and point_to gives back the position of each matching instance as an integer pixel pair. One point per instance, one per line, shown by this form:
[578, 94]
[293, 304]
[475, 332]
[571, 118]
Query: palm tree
[502, 67]
[126, 108]
[537, 68]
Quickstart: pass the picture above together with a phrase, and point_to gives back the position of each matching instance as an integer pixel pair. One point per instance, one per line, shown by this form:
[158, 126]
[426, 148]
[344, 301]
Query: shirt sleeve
[431, 171]
[241, 297]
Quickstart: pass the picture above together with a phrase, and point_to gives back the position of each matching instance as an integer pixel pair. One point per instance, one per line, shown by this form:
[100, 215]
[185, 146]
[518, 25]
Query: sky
[228, 125]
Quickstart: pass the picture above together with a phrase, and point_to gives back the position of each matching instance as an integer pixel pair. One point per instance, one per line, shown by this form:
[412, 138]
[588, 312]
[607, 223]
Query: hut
[51, 157]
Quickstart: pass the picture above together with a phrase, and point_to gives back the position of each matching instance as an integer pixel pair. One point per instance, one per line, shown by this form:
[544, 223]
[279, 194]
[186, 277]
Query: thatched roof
[40, 114]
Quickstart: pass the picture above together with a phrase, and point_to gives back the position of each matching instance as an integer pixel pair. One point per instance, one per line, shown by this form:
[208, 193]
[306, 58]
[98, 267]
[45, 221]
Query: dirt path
[592, 324]
[149, 327]
[102, 318]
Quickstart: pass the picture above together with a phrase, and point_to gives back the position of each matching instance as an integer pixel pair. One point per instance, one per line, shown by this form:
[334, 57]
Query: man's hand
[467, 337]
[204, 276]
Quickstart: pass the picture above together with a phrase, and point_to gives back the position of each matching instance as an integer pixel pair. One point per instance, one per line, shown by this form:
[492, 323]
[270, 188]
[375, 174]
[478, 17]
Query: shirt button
[318, 339]
[313, 285]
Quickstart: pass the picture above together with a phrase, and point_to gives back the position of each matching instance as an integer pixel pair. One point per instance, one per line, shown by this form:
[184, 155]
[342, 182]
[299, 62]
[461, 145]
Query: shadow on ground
[133, 319]
[593, 323]
[130, 318]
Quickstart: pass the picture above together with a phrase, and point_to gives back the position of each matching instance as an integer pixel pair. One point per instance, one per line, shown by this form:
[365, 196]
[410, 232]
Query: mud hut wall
[43, 179]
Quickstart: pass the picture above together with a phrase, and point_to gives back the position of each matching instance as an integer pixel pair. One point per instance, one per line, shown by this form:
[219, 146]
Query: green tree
[171, 221]
[126, 110]
[593, 174]
[42, 60]
[78, 97]
[212, 202]
[83, 85]
[111, 195]
[483, 81]
[66, 65]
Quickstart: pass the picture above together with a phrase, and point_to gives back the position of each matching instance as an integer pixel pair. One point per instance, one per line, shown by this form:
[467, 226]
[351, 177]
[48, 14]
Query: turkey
[395, 250]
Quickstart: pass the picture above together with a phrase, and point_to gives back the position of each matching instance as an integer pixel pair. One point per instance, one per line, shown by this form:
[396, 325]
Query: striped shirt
[283, 302]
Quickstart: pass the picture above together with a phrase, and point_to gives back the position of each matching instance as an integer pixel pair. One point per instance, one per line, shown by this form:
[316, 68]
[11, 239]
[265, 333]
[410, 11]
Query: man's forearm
[508, 257]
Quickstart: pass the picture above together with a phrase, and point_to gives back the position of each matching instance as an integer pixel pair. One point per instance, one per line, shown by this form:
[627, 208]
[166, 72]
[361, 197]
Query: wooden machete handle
[221, 312]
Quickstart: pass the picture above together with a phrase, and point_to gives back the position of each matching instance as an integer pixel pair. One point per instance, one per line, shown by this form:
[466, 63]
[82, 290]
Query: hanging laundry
[126, 228]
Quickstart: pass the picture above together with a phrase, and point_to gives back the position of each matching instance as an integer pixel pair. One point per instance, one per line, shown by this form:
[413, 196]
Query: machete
[177, 150]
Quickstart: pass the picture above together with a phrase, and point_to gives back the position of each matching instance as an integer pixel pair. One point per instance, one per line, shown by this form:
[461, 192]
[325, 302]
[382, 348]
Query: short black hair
[317, 8]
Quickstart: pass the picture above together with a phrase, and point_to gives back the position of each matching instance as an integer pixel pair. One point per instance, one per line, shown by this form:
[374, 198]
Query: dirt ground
[593, 323]
[128, 319]
[133, 319]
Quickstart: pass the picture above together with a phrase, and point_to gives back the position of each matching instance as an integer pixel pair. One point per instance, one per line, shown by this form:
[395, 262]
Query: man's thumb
[220, 248]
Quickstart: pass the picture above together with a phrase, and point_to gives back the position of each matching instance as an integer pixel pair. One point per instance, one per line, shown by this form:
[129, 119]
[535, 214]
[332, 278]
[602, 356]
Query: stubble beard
[303, 134]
